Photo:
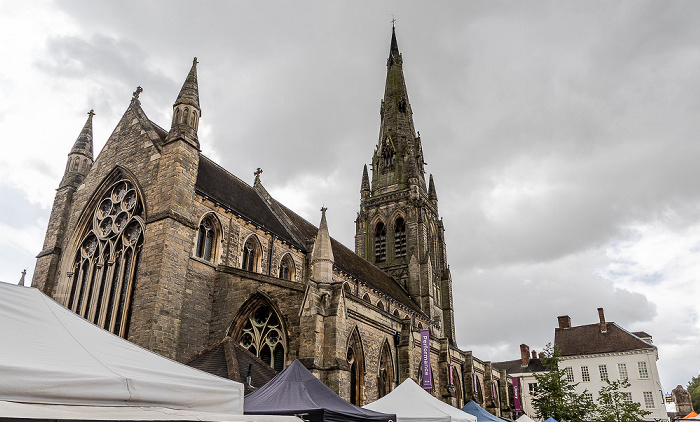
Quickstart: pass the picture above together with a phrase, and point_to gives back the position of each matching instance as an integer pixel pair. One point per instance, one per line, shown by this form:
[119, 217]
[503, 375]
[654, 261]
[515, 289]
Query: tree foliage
[555, 396]
[694, 391]
[613, 405]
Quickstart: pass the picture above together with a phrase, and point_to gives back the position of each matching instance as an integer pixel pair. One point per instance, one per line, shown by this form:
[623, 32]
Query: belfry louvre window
[380, 242]
[206, 236]
[400, 238]
[103, 276]
[264, 337]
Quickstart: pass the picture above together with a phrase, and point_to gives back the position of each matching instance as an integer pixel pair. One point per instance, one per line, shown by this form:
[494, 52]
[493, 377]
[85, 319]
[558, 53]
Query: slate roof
[242, 199]
[589, 340]
[229, 359]
[514, 366]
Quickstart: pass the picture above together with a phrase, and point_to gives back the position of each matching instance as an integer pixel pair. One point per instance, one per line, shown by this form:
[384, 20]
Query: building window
[643, 373]
[400, 238]
[206, 239]
[603, 372]
[585, 375]
[103, 276]
[588, 396]
[380, 242]
[355, 359]
[387, 154]
[286, 270]
[263, 336]
[531, 387]
[569, 373]
[648, 400]
[251, 255]
[622, 370]
[386, 371]
[627, 397]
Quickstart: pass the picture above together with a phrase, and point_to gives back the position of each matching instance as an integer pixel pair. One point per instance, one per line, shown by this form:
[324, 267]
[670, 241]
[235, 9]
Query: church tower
[398, 227]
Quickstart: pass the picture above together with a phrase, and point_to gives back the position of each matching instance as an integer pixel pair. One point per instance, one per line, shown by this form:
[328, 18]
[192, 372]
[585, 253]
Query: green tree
[614, 405]
[555, 396]
[694, 391]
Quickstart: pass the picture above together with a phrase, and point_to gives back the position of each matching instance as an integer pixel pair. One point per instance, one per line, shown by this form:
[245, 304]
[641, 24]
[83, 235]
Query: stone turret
[322, 255]
[186, 110]
[80, 157]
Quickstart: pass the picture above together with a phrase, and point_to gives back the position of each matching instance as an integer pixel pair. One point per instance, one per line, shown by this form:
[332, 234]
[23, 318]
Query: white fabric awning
[56, 365]
[411, 403]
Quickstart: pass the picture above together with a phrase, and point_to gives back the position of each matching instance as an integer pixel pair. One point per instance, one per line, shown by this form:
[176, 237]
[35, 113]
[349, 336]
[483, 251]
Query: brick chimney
[534, 354]
[524, 355]
[541, 355]
[603, 325]
[564, 321]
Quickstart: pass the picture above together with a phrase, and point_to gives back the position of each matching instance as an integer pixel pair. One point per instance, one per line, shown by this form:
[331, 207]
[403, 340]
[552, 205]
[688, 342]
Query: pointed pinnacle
[83, 145]
[394, 45]
[365, 180]
[432, 194]
[189, 93]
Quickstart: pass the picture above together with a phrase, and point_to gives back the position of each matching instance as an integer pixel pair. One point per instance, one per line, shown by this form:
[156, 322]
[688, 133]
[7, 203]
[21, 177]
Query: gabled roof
[589, 340]
[223, 187]
[229, 359]
[515, 366]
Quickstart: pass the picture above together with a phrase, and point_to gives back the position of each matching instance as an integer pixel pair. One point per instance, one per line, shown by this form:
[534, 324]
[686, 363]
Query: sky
[562, 137]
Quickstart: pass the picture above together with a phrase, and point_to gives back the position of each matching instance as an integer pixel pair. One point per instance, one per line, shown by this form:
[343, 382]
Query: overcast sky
[562, 136]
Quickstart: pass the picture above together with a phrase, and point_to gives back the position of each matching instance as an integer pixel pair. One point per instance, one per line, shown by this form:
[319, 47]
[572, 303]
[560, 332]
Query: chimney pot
[564, 321]
[524, 355]
[534, 354]
[603, 325]
[541, 355]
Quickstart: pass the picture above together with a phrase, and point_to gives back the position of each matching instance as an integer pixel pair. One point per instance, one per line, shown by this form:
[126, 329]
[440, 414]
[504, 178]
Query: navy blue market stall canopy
[296, 391]
[478, 411]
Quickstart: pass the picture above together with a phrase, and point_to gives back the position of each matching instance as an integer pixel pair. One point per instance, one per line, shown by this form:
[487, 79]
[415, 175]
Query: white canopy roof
[524, 418]
[57, 365]
[411, 403]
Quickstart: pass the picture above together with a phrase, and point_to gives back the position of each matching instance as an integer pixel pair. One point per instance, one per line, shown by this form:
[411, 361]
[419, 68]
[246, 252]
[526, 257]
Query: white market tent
[524, 418]
[56, 365]
[411, 403]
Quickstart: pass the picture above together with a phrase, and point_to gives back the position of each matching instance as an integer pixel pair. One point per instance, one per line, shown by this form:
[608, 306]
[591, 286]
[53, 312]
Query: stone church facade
[158, 244]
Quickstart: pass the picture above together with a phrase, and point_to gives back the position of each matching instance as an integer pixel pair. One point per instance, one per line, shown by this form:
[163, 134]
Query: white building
[592, 353]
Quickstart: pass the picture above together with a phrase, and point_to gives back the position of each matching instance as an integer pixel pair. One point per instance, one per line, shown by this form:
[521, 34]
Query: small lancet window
[286, 270]
[251, 254]
[206, 236]
[380, 242]
[400, 238]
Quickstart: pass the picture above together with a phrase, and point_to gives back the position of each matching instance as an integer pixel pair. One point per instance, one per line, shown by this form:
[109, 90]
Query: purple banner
[516, 394]
[452, 381]
[425, 360]
[476, 383]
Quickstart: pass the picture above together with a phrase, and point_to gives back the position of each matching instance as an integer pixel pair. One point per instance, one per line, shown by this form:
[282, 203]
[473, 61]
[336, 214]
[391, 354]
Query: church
[158, 244]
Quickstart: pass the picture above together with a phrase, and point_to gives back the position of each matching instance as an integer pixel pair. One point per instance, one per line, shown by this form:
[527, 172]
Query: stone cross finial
[257, 174]
[138, 91]
[323, 210]
[21, 280]
[393, 20]
[194, 61]
[91, 112]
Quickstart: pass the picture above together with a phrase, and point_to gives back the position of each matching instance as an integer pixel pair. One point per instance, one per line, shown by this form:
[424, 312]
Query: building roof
[515, 366]
[589, 340]
[229, 359]
[233, 193]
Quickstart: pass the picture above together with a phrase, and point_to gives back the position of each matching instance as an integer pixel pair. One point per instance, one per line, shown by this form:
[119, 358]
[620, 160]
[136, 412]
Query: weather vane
[393, 20]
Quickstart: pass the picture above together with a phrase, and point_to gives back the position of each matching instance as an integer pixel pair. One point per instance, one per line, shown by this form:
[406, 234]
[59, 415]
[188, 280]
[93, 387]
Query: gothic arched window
[380, 242]
[264, 336]
[207, 239]
[356, 362]
[103, 276]
[386, 371]
[286, 270]
[399, 238]
[251, 255]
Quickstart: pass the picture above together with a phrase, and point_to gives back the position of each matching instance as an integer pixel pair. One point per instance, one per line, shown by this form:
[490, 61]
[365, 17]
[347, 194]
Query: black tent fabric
[296, 391]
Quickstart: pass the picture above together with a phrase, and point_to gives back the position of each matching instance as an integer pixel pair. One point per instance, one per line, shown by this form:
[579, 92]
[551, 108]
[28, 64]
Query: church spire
[398, 149]
[364, 188]
[80, 156]
[432, 194]
[186, 110]
[322, 254]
